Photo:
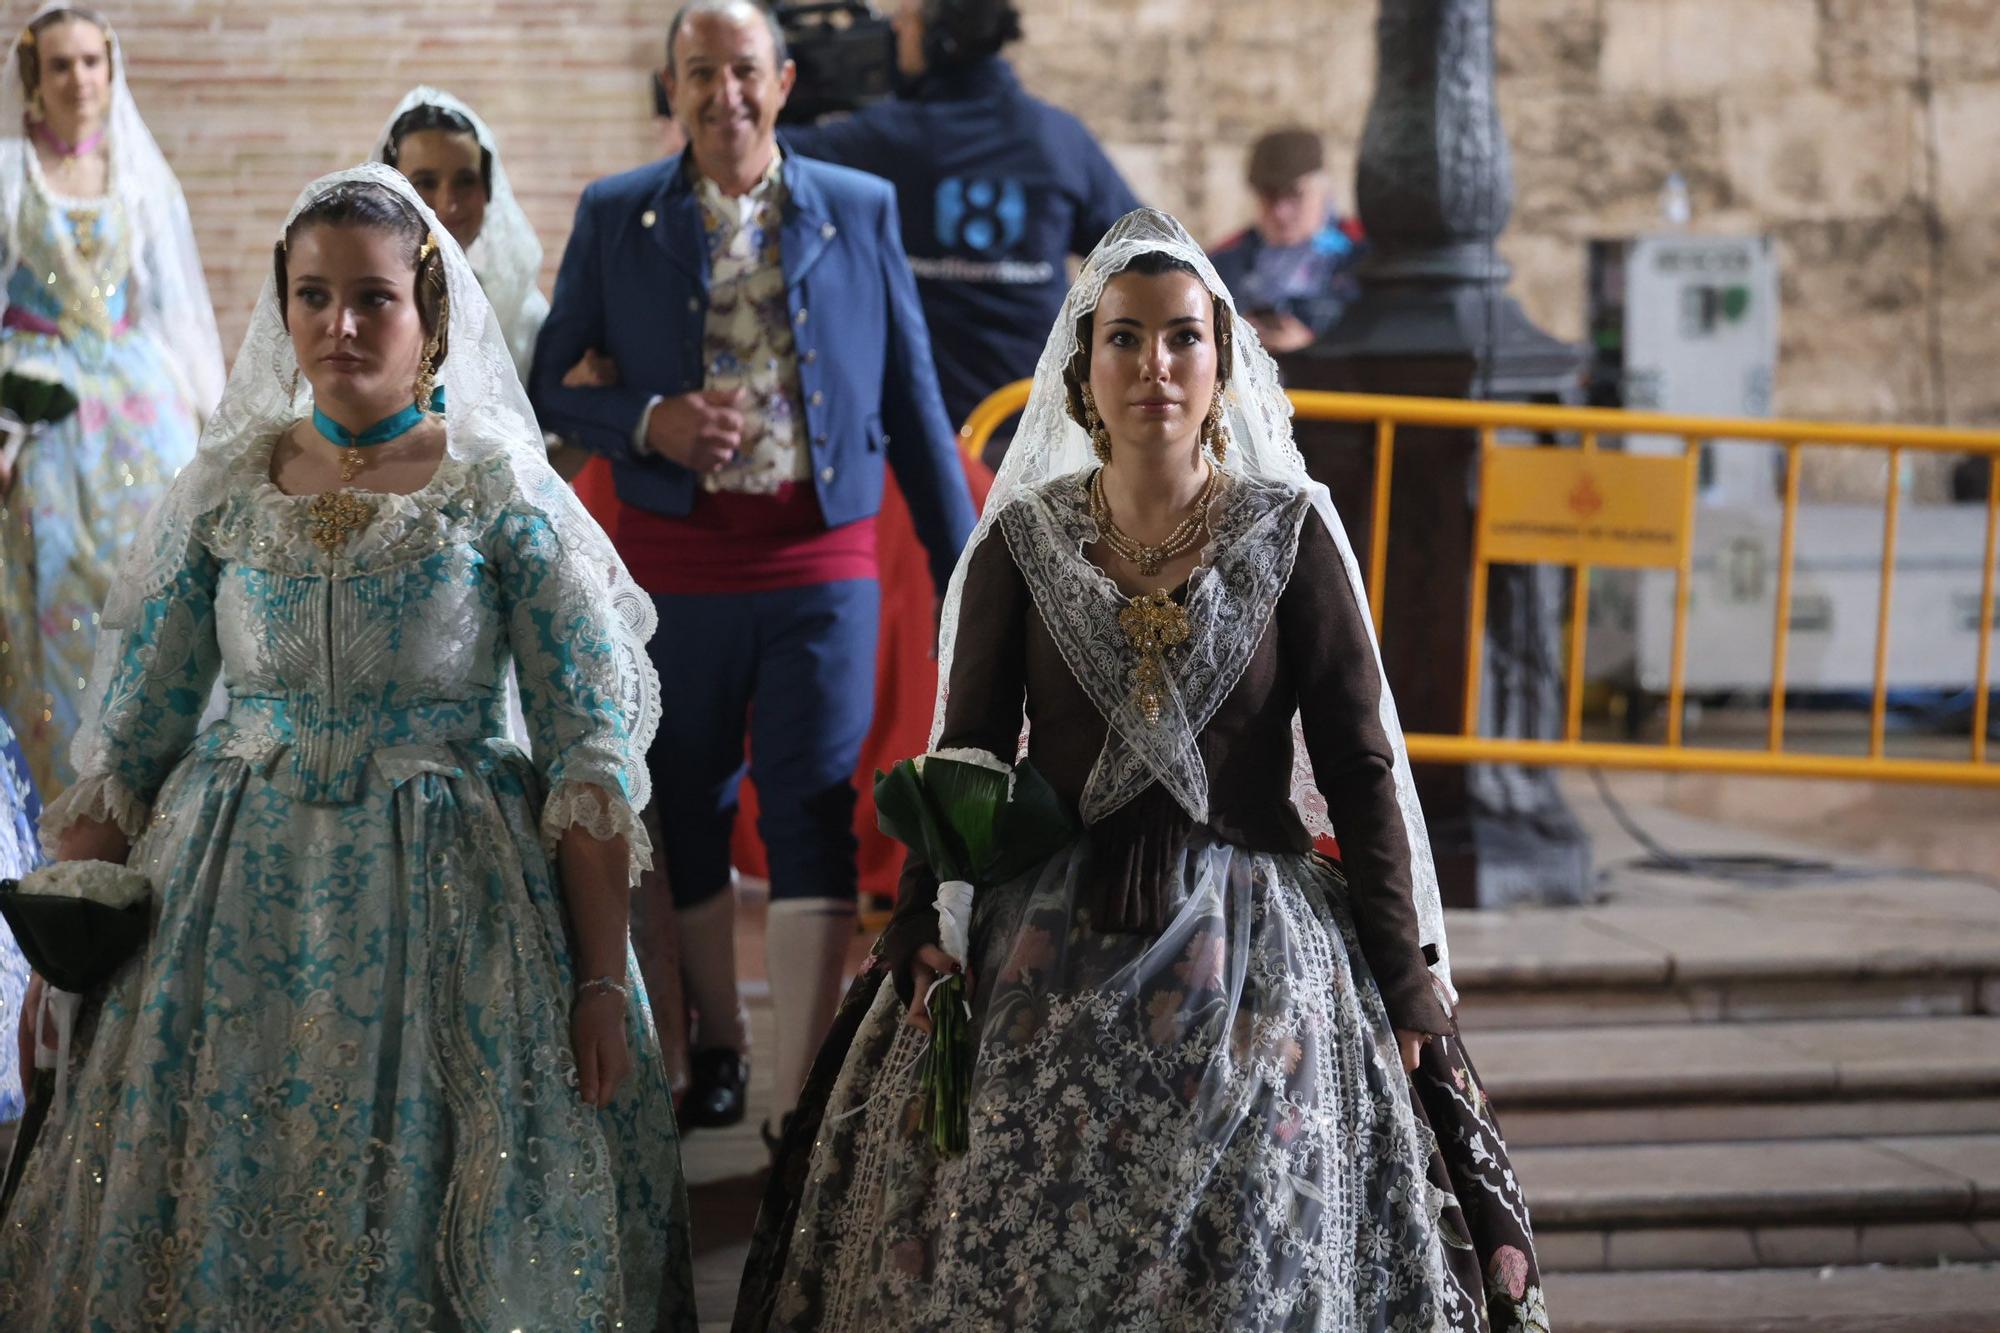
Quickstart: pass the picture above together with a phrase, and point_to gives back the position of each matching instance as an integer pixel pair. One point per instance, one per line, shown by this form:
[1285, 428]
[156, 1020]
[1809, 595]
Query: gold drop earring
[1100, 438]
[1215, 431]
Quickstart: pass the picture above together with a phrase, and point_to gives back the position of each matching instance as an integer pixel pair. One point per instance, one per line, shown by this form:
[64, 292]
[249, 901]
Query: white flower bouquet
[77, 922]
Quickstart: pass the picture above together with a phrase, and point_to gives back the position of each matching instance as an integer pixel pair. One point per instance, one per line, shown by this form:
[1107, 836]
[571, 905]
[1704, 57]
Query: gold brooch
[336, 515]
[1153, 624]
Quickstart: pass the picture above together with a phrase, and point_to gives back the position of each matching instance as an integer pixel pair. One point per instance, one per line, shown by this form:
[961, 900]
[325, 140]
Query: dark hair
[780, 53]
[1150, 264]
[367, 204]
[962, 32]
[28, 51]
[425, 117]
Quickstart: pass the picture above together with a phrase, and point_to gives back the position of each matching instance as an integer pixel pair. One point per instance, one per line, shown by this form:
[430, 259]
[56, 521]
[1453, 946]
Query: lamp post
[1433, 317]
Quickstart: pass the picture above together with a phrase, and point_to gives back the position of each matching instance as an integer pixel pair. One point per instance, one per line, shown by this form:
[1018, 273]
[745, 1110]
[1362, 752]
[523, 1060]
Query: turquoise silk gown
[84, 483]
[337, 1089]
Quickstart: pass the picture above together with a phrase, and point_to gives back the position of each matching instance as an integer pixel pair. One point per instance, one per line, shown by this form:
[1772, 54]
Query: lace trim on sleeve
[104, 797]
[601, 815]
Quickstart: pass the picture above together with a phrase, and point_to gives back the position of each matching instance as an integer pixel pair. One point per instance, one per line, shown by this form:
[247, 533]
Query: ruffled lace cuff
[105, 797]
[600, 814]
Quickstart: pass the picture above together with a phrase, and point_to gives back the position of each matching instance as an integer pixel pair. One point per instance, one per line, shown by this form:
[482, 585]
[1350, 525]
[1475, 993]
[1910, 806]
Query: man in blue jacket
[768, 355]
[996, 189]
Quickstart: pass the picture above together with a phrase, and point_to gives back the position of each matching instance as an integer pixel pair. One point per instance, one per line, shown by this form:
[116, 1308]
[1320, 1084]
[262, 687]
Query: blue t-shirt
[1313, 282]
[996, 189]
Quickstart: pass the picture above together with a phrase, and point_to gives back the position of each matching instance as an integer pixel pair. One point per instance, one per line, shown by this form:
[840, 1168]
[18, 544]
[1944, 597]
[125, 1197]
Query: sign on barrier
[1578, 507]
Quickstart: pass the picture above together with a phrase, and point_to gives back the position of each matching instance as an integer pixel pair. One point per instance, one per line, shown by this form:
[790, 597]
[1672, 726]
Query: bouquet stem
[947, 1079]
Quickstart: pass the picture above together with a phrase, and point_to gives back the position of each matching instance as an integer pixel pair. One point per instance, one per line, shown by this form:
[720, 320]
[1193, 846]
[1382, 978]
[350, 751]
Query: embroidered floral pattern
[336, 1091]
[747, 338]
[86, 482]
[1202, 1131]
[1230, 599]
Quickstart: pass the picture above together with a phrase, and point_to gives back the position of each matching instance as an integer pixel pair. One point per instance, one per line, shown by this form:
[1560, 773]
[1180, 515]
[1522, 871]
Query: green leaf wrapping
[1028, 830]
[903, 811]
[967, 799]
[962, 820]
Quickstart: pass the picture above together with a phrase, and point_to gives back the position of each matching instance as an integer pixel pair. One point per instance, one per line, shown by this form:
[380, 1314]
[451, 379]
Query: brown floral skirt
[1200, 1130]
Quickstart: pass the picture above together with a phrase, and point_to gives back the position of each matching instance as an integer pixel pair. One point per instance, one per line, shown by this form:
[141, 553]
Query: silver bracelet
[612, 985]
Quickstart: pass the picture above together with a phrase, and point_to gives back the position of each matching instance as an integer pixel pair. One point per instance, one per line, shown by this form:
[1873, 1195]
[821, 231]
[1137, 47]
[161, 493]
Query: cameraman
[996, 189]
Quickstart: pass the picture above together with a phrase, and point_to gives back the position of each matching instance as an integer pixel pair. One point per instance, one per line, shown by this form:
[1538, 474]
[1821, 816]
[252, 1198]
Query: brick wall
[1804, 118]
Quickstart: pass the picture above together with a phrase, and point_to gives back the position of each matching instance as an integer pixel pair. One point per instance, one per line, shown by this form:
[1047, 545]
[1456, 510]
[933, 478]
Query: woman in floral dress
[1217, 1084]
[385, 1061]
[102, 289]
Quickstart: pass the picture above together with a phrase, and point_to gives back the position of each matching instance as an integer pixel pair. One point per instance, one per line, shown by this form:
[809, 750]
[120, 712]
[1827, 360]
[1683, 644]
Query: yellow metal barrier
[1587, 508]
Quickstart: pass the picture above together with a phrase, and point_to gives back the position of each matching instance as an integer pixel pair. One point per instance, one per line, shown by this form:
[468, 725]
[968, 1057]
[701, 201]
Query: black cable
[1752, 868]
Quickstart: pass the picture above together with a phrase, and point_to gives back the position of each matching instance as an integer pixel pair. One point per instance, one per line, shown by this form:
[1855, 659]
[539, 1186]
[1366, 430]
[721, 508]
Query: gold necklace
[1152, 624]
[352, 460]
[1149, 560]
[338, 515]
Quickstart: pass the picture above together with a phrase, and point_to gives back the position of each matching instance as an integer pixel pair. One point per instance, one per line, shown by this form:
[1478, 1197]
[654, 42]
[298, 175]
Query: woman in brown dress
[1217, 1081]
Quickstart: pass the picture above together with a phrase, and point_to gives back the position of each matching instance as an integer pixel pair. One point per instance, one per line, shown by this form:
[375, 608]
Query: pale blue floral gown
[337, 1091]
[88, 481]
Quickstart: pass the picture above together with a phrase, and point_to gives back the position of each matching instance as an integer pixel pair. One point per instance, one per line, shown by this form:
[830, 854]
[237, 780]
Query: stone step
[1925, 950]
[1912, 992]
[1643, 1083]
[1765, 1203]
[1957, 1299]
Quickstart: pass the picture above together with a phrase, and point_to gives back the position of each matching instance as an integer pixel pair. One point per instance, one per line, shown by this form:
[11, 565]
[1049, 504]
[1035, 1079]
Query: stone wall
[1810, 119]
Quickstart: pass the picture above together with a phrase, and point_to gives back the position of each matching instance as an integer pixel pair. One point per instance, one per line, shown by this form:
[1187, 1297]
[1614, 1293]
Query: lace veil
[507, 255]
[1050, 445]
[487, 417]
[171, 295]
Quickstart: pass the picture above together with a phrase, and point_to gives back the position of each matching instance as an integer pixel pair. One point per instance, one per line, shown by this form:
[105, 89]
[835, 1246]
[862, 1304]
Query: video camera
[846, 57]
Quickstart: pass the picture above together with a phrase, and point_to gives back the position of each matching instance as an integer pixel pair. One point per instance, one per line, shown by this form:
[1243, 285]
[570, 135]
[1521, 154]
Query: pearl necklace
[1149, 560]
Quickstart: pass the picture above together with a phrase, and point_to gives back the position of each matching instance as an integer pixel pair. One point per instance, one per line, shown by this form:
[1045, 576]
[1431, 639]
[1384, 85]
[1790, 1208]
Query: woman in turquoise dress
[102, 289]
[385, 1061]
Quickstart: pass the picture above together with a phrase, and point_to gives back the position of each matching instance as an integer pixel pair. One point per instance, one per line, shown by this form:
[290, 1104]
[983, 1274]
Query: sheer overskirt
[1207, 1129]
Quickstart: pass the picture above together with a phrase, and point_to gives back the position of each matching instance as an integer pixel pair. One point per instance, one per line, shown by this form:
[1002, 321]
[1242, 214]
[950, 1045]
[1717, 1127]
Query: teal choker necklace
[383, 431]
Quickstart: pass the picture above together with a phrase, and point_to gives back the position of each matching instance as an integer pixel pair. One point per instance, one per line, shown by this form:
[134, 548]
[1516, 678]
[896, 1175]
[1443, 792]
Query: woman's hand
[930, 963]
[1411, 1045]
[93, 840]
[597, 1035]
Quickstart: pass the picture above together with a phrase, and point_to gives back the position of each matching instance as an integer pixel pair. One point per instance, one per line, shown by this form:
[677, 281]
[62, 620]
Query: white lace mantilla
[1230, 598]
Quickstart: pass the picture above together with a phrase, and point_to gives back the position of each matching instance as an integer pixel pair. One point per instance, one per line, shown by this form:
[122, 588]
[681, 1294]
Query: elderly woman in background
[385, 1061]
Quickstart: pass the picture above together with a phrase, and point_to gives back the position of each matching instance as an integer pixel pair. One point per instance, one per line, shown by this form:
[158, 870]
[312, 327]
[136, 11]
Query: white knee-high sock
[805, 952]
[708, 962]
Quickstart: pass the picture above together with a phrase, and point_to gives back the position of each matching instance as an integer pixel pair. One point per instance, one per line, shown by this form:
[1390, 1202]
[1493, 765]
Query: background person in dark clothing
[996, 189]
[1292, 272]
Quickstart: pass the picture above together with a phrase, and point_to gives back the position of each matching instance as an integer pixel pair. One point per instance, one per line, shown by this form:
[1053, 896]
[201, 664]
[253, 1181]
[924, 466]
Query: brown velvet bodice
[1314, 657]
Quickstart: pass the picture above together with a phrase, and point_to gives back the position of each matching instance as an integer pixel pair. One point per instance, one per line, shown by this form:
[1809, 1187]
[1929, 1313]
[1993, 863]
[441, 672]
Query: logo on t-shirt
[981, 214]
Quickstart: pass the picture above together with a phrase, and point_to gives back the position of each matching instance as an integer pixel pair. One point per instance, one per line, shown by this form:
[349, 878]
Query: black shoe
[718, 1087]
